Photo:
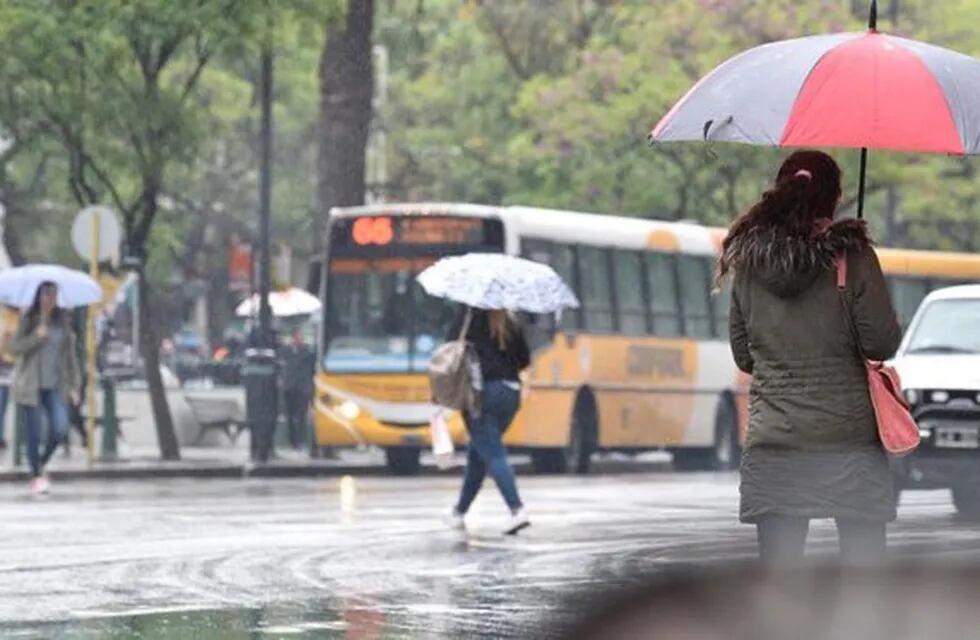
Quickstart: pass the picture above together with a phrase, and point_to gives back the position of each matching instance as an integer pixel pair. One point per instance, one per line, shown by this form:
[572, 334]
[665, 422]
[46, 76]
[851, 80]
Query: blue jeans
[486, 451]
[51, 402]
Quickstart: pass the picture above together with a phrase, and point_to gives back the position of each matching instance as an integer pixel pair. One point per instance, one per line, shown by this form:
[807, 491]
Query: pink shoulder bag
[896, 427]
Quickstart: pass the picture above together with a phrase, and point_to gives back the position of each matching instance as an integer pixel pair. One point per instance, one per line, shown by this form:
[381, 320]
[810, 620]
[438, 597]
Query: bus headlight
[939, 397]
[349, 410]
[912, 397]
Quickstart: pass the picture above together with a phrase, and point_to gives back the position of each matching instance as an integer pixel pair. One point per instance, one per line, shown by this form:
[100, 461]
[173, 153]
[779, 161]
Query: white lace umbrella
[18, 286]
[498, 281]
[291, 302]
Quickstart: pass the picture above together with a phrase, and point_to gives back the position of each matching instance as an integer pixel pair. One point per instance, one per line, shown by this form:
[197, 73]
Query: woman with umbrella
[503, 353]
[47, 375]
[491, 286]
[812, 449]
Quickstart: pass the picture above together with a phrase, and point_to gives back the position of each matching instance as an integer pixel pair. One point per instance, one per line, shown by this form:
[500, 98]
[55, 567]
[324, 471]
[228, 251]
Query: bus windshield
[379, 319]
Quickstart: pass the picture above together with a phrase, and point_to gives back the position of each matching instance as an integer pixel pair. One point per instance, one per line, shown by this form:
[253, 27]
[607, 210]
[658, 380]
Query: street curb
[281, 471]
[218, 471]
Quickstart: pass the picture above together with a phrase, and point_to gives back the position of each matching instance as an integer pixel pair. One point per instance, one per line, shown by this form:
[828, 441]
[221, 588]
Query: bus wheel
[727, 452]
[403, 461]
[584, 436]
[548, 460]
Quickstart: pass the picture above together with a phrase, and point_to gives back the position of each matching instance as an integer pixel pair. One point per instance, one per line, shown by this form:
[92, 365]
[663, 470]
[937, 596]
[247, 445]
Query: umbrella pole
[861, 182]
[873, 25]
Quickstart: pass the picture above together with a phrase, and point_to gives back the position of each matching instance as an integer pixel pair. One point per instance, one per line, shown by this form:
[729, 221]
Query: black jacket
[495, 364]
[298, 367]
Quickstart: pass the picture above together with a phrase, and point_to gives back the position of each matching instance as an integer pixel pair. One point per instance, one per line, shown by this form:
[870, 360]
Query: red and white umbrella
[854, 90]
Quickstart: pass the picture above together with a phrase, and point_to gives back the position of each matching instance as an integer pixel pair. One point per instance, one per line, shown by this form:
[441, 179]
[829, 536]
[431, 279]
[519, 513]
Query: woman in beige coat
[46, 375]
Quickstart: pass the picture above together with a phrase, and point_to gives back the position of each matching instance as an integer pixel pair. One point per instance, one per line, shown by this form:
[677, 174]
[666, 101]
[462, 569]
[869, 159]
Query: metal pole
[93, 311]
[260, 373]
[265, 202]
[873, 18]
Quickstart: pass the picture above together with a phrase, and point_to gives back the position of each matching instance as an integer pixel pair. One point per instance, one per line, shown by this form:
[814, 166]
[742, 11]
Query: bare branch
[203, 57]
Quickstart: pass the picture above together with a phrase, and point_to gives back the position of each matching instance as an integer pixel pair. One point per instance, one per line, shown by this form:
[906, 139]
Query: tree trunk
[346, 91]
[892, 203]
[150, 345]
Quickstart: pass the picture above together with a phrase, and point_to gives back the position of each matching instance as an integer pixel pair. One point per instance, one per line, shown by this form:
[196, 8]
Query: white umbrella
[498, 281]
[291, 302]
[18, 286]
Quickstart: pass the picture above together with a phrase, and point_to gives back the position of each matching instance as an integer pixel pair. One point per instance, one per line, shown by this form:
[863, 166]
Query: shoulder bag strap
[466, 324]
[841, 262]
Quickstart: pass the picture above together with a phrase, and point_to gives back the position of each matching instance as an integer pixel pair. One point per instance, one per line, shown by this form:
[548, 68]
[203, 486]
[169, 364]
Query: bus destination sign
[381, 231]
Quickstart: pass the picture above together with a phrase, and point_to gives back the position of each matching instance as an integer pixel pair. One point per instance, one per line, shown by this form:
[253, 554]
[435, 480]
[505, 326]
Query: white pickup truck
[939, 363]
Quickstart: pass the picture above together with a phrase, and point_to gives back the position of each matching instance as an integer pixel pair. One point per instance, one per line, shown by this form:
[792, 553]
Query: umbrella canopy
[291, 302]
[853, 90]
[498, 281]
[18, 286]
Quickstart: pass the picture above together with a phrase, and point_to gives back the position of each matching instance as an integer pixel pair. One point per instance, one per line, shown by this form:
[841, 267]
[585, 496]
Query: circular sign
[83, 232]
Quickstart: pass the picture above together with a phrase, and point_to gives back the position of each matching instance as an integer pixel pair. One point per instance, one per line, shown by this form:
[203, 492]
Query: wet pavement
[369, 557]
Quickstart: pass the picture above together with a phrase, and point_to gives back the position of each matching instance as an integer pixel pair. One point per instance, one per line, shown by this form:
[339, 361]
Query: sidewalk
[143, 463]
[198, 462]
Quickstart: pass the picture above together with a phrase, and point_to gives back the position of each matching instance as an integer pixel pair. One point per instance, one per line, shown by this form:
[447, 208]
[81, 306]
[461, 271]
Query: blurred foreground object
[902, 602]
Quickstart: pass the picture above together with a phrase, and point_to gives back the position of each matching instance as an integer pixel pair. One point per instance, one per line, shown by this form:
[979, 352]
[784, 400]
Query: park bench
[216, 414]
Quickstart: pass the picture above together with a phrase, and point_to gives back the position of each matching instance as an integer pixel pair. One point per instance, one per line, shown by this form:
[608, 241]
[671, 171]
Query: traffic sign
[109, 233]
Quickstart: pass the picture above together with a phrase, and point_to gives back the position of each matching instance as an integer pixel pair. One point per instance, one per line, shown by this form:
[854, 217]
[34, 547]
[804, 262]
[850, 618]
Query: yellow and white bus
[643, 364]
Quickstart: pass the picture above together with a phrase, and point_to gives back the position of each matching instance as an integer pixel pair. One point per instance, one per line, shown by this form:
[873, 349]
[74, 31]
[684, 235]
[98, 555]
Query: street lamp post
[260, 373]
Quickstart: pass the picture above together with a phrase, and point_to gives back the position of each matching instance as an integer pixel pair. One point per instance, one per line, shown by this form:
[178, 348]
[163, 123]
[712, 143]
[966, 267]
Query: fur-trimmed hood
[788, 264]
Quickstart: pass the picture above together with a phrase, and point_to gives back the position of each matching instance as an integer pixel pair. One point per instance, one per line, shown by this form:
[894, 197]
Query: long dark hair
[34, 313]
[807, 189]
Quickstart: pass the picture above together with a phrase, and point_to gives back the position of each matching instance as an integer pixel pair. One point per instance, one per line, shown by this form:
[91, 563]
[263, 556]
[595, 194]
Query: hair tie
[803, 173]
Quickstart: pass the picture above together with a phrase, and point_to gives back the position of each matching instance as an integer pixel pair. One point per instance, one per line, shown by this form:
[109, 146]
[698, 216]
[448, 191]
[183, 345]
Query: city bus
[643, 364]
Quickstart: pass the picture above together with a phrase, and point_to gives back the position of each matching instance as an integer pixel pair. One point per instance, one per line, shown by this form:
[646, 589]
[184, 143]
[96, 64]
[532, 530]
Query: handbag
[454, 373]
[897, 429]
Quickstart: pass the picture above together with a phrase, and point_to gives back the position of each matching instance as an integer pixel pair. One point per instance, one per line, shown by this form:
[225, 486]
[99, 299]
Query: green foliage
[550, 105]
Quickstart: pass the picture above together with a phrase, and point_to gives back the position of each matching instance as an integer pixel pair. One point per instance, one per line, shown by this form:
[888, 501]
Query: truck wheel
[966, 499]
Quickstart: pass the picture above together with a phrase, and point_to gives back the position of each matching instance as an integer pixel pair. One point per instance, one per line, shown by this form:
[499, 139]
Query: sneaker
[454, 520]
[37, 486]
[518, 521]
[44, 485]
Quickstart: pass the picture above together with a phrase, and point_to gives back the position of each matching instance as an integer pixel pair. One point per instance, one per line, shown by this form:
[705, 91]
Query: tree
[346, 92]
[114, 82]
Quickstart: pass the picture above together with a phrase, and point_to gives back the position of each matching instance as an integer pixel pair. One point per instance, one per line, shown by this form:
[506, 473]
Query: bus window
[695, 291]
[629, 293]
[722, 300]
[907, 294]
[563, 262]
[596, 298]
[538, 250]
[663, 300]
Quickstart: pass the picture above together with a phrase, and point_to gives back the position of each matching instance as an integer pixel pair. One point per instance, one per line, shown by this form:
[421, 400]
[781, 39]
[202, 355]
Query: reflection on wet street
[370, 558]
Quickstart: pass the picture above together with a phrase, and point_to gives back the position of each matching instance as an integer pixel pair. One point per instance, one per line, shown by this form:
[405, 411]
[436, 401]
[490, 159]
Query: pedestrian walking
[6, 371]
[298, 368]
[499, 344]
[813, 449]
[46, 376]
